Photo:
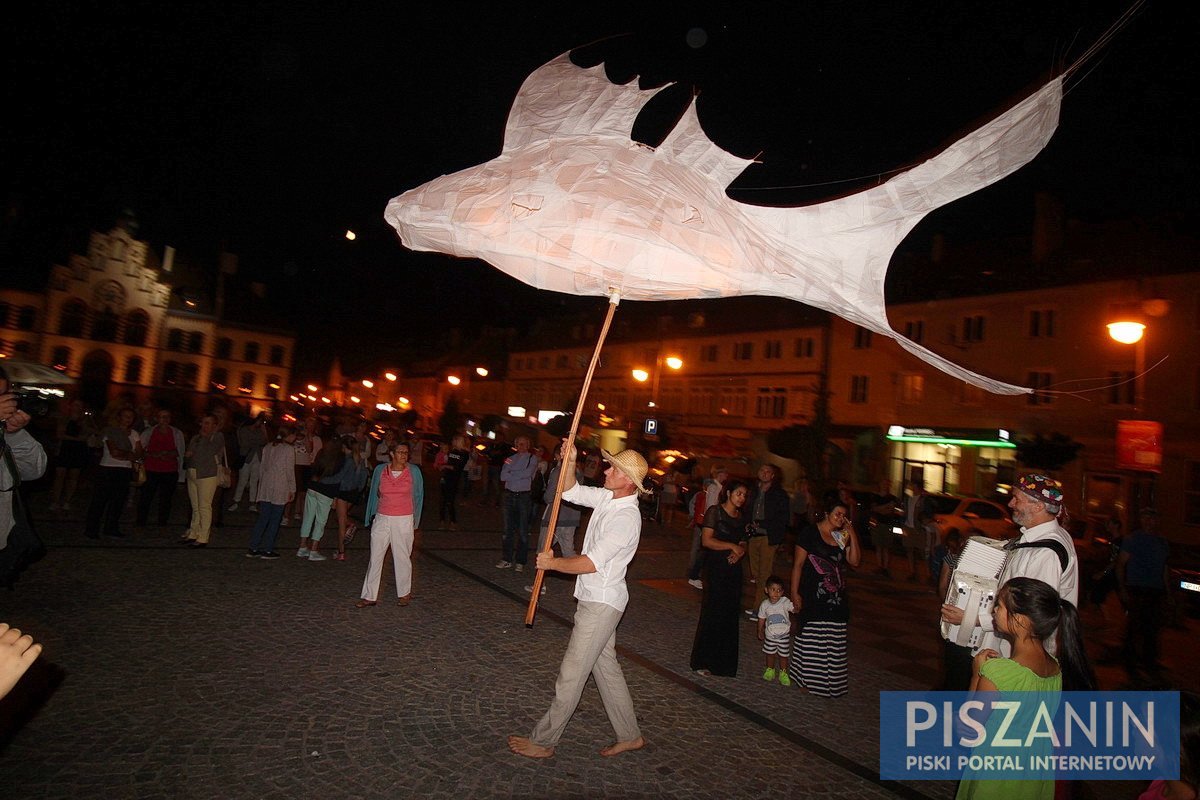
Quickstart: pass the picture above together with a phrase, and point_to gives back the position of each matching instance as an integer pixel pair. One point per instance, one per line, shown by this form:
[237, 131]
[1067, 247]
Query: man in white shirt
[1036, 506]
[609, 545]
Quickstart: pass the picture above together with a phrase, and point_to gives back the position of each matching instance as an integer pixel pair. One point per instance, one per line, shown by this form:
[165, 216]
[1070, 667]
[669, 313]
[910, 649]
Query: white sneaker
[502, 564]
[232, 507]
[254, 507]
[695, 583]
[519, 568]
[529, 589]
[313, 555]
[303, 552]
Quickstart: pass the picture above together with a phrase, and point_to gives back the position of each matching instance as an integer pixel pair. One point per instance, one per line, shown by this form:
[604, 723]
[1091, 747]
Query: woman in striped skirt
[823, 550]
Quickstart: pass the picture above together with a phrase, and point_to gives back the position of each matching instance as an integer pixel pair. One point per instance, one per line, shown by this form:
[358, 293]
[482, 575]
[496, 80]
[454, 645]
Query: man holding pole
[609, 545]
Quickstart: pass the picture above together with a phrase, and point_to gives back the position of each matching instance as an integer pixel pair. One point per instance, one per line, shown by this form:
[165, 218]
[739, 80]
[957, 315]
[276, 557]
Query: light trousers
[396, 533]
[762, 561]
[200, 493]
[248, 479]
[591, 651]
[316, 515]
[563, 537]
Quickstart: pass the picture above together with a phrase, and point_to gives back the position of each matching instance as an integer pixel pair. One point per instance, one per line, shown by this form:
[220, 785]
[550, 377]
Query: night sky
[270, 128]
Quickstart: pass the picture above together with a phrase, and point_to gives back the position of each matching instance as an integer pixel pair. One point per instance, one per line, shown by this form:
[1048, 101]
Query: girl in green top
[1027, 613]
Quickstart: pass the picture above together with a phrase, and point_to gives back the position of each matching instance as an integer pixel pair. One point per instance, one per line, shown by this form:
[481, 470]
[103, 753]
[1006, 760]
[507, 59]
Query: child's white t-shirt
[779, 624]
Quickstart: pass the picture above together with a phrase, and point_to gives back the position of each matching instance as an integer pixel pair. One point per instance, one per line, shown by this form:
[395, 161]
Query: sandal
[351, 529]
[365, 603]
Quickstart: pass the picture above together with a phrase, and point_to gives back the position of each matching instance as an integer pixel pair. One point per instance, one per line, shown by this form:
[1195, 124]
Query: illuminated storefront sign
[970, 437]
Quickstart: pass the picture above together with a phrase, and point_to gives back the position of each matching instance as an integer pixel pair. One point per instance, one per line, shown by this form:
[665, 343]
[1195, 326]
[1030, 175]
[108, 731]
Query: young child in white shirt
[775, 629]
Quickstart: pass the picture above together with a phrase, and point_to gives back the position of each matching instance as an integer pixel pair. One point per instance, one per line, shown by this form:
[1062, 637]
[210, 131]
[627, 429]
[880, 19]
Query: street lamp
[641, 375]
[481, 372]
[1134, 333]
[391, 376]
[453, 380]
[368, 384]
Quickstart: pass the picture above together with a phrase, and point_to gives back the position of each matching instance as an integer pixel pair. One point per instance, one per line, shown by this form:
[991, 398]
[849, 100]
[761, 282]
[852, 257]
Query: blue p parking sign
[651, 427]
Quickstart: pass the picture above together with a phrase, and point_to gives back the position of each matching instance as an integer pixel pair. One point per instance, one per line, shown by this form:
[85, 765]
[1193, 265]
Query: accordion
[973, 588]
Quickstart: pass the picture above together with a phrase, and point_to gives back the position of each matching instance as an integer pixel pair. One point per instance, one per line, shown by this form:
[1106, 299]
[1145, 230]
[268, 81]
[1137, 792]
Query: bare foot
[622, 747]
[17, 654]
[523, 747]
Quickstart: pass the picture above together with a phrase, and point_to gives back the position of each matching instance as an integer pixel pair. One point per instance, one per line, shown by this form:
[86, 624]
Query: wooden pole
[613, 300]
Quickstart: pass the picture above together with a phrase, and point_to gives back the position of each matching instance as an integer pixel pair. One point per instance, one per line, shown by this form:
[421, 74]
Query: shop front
[968, 461]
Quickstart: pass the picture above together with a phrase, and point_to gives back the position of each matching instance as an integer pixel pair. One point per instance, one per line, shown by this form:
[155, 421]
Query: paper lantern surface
[574, 205]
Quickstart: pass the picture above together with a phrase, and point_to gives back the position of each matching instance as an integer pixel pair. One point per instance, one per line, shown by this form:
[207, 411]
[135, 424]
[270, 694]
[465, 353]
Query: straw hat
[632, 465]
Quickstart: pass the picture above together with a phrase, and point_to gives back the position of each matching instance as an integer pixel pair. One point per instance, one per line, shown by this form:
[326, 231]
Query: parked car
[1185, 577]
[953, 512]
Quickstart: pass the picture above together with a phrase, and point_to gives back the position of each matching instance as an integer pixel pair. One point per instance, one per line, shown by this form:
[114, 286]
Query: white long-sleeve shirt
[1043, 564]
[30, 460]
[610, 542]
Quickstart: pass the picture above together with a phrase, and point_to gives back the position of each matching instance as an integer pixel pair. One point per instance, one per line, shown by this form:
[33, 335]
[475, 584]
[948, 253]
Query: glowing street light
[391, 376]
[403, 401]
[351, 235]
[640, 375]
[1126, 332]
[481, 372]
[453, 380]
[368, 384]
[355, 400]
[674, 362]
[1134, 333]
[312, 388]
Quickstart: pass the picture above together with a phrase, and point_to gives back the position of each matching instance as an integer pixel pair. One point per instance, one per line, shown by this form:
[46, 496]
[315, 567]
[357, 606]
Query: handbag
[139, 474]
[224, 475]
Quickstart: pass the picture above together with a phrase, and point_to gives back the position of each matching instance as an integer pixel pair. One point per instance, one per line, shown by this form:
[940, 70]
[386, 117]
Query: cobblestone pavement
[171, 672]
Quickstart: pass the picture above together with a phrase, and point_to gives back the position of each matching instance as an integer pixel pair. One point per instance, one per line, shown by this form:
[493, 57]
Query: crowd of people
[1031, 640]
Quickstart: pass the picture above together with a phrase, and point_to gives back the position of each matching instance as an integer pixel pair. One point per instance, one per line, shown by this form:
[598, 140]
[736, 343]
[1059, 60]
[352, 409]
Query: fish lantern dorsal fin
[562, 100]
[690, 146]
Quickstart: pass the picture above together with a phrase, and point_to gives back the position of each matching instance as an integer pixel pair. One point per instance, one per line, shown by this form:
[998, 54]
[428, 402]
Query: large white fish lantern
[574, 205]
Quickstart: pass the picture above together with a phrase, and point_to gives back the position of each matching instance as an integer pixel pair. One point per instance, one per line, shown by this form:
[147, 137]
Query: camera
[33, 403]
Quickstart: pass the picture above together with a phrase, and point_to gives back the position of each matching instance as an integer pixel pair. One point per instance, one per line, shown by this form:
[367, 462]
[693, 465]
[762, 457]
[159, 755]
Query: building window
[104, 329]
[133, 370]
[773, 348]
[914, 329]
[276, 356]
[859, 385]
[1191, 494]
[60, 359]
[72, 316]
[805, 347]
[195, 342]
[175, 340]
[912, 388]
[973, 328]
[544, 362]
[970, 395]
[218, 380]
[26, 318]
[247, 384]
[224, 347]
[1122, 388]
[23, 348]
[251, 352]
[273, 387]
[1041, 323]
[191, 374]
[771, 403]
[170, 373]
[743, 351]
[862, 339]
[708, 352]
[1039, 382]
[137, 327]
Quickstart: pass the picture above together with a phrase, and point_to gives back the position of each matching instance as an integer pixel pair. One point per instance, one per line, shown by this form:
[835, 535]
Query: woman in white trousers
[394, 504]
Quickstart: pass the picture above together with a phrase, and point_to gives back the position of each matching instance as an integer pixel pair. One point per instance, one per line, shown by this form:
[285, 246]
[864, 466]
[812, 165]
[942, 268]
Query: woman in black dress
[823, 551]
[723, 534]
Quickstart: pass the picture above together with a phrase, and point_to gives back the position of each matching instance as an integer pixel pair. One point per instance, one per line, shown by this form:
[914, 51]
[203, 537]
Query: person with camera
[22, 458]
